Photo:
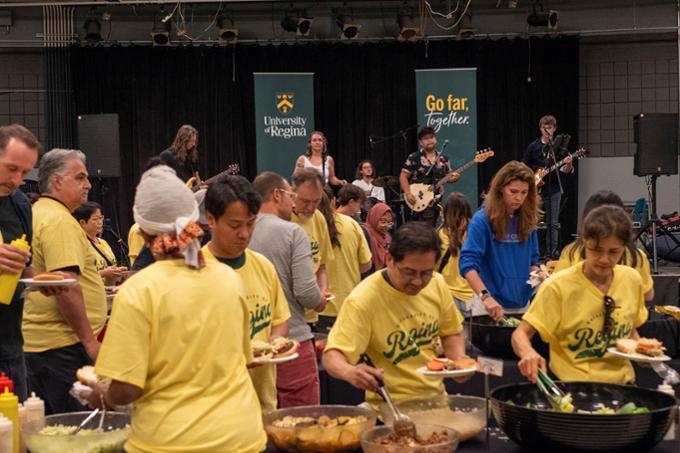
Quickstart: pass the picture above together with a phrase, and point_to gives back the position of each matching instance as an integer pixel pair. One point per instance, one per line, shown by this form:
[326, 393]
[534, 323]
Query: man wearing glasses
[394, 317]
[287, 246]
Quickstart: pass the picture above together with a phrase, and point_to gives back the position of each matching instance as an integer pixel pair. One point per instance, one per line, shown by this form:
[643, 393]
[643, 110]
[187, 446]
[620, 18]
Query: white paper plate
[68, 282]
[639, 357]
[281, 360]
[447, 373]
[330, 298]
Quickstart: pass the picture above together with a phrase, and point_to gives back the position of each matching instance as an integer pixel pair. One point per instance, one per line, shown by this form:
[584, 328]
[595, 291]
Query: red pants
[297, 381]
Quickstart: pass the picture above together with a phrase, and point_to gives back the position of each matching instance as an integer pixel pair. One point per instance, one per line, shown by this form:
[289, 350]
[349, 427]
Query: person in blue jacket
[501, 248]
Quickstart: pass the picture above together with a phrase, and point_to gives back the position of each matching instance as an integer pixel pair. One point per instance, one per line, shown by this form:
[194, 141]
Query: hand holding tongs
[552, 392]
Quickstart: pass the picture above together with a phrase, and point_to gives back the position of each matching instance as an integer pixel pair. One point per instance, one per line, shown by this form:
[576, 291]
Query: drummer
[393, 317]
[178, 339]
[364, 179]
[584, 309]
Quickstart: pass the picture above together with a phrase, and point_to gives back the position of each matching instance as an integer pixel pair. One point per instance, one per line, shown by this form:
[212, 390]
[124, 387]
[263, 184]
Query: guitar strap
[445, 260]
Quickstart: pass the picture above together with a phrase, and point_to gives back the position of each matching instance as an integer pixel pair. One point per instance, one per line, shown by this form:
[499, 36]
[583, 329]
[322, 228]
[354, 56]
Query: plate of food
[49, 279]
[279, 350]
[443, 367]
[646, 350]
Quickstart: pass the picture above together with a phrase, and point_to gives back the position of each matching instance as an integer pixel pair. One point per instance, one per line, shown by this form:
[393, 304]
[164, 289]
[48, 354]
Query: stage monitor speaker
[656, 136]
[98, 138]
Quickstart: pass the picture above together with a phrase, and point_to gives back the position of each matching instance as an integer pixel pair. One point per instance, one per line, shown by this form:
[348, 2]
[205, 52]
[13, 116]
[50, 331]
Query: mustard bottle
[8, 282]
[9, 407]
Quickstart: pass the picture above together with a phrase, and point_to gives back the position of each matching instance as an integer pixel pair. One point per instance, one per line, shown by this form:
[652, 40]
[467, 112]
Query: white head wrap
[164, 205]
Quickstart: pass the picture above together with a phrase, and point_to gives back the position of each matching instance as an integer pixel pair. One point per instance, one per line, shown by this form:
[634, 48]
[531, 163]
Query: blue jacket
[502, 265]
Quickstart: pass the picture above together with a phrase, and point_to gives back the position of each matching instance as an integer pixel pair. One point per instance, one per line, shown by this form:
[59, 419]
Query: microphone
[107, 223]
[370, 141]
[446, 143]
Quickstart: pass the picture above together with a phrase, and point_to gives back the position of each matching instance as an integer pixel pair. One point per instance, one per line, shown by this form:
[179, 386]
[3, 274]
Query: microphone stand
[552, 154]
[121, 243]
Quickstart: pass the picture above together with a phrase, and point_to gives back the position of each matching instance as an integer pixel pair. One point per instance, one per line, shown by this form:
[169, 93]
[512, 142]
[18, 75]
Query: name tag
[491, 366]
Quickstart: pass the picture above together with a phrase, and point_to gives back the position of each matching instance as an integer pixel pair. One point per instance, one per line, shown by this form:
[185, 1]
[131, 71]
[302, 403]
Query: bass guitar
[542, 172]
[195, 182]
[426, 194]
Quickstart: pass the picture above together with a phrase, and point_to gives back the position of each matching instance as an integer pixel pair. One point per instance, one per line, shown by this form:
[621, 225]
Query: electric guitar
[195, 181]
[542, 172]
[426, 194]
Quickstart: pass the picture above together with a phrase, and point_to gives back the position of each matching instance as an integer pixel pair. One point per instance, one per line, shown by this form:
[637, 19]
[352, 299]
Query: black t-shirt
[185, 170]
[11, 340]
[535, 157]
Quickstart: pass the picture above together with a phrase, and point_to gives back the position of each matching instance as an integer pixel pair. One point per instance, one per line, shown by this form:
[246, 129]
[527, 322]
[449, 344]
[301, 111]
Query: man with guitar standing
[425, 166]
[540, 154]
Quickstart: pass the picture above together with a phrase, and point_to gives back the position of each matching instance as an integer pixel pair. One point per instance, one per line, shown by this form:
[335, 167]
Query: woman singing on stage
[317, 157]
[502, 245]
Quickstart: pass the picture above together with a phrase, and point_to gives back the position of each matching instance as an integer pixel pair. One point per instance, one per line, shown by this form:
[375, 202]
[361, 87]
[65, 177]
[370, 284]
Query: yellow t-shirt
[181, 335]
[568, 313]
[267, 307]
[458, 286]
[343, 271]
[103, 249]
[396, 331]
[59, 242]
[567, 259]
[322, 249]
[135, 242]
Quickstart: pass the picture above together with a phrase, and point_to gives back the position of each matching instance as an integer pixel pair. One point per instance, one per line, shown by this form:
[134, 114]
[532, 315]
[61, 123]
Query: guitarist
[538, 155]
[425, 166]
[182, 156]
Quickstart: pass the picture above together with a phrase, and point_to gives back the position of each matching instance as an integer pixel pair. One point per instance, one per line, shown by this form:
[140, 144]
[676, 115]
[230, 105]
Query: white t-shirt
[370, 189]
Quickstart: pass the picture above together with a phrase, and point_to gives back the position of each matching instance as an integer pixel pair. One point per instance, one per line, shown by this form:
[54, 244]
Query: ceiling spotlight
[408, 31]
[227, 33]
[92, 27]
[160, 33]
[345, 21]
[301, 24]
[465, 28]
[540, 18]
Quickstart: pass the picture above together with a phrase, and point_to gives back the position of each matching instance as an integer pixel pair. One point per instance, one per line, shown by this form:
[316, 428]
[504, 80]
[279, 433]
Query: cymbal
[386, 181]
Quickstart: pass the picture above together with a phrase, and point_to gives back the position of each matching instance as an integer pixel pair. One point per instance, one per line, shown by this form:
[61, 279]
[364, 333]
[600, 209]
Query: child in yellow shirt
[583, 310]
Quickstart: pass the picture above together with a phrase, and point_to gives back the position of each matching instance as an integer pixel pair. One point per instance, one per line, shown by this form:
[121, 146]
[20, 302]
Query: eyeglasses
[387, 223]
[292, 195]
[609, 307]
[410, 274]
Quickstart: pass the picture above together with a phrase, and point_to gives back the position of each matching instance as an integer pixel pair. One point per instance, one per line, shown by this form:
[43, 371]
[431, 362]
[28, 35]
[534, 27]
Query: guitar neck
[458, 170]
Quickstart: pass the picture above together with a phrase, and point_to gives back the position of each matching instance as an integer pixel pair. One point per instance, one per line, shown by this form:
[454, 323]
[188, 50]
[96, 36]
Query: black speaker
[656, 136]
[98, 139]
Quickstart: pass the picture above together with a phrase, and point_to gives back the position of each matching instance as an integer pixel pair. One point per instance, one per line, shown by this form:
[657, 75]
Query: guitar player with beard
[537, 156]
[425, 166]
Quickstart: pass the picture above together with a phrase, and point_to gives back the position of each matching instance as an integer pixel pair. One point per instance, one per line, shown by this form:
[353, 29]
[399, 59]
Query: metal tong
[402, 425]
[552, 392]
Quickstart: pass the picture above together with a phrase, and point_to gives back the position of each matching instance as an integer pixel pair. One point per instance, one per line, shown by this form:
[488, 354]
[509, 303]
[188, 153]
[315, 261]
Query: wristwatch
[483, 294]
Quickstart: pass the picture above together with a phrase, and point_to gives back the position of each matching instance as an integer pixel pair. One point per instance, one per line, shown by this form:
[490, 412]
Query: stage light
[160, 33]
[301, 24]
[227, 33]
[540, 18]
[345, 21]
[465, 28]
[407, 29]
[92, 27]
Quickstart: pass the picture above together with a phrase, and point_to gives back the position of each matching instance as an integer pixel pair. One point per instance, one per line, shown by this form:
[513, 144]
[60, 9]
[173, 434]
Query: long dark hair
[179, 145]
[606, 221]
[327, 211]
[457, 215]
[308, 150]
[596, 200]
[358, 174]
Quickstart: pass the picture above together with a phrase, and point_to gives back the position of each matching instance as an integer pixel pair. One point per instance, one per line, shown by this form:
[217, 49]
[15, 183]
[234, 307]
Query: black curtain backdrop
[360, 90]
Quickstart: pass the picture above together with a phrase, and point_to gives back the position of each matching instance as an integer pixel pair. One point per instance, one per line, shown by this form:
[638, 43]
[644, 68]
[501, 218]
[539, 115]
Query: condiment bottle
[6, 382]
[6, 435]
[22, 421]
[9, 407]
[8, 282]
[35, 409]
[666, 388]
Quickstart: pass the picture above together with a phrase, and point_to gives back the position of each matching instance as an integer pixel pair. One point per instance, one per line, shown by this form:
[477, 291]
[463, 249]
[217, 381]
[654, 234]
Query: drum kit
[393, 198]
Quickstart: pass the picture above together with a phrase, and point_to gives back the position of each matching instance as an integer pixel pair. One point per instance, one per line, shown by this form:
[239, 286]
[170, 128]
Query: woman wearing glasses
[584, 309]
[379, 222]
[89, 216]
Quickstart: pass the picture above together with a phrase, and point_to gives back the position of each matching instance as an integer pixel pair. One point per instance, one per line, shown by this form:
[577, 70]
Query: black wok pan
[549, 431]
[494, 340]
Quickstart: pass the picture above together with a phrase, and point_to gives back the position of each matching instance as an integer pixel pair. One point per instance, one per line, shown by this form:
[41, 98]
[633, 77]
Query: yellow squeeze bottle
[8, 282]
[9, 407]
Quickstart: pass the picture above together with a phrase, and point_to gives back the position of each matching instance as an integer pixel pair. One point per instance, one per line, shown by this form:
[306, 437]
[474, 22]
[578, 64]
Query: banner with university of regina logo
[284, 117]
[446, 101]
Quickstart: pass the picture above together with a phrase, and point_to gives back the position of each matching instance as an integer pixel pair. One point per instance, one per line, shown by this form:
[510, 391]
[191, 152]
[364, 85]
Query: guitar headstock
[483, 155]
[579, 153]
[233, 169]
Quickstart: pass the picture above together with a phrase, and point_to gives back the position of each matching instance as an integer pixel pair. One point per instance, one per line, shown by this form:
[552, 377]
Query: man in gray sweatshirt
[287, 246]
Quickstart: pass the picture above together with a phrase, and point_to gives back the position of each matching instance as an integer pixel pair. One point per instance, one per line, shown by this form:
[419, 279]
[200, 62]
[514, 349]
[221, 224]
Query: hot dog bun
[86, 375]
[48, 276]
[461, 364]
[626, 345]
[284, 347]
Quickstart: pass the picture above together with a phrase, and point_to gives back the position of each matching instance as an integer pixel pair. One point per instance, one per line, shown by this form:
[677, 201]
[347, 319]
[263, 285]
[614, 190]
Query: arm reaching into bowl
[117, 394]
[360, 375]
[530, 360]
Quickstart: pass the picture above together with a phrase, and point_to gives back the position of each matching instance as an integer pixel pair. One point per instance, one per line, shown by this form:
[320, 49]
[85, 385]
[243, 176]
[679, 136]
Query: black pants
[51, 374]
[429, 215]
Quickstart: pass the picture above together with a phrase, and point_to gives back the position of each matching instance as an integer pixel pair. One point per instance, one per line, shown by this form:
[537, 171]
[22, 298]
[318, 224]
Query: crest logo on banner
[285, 102]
